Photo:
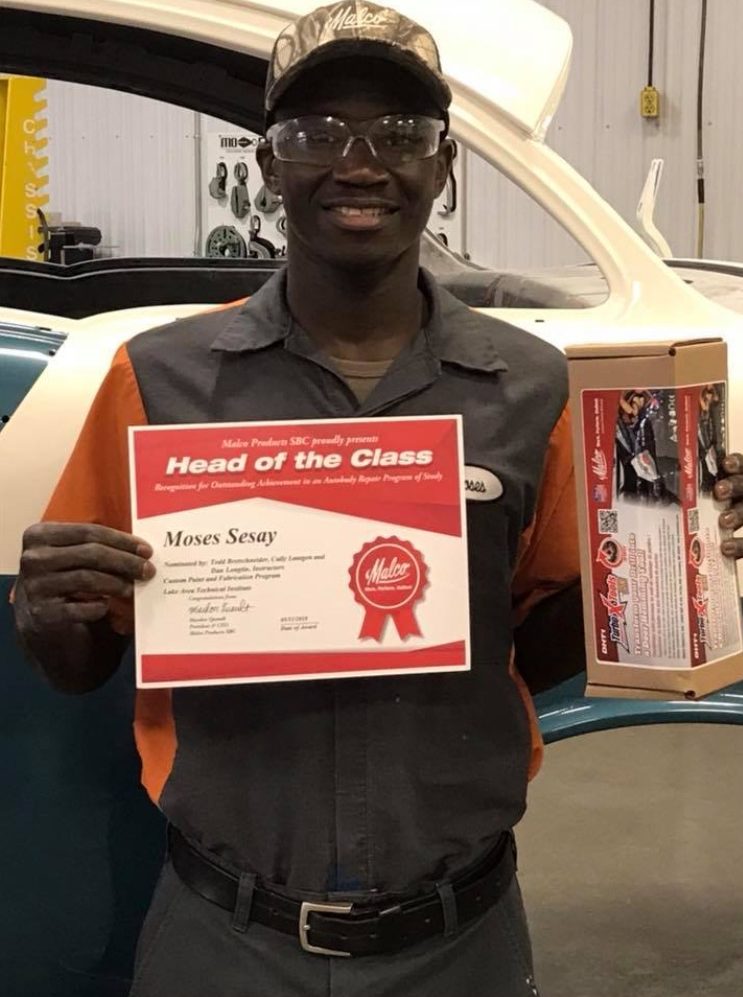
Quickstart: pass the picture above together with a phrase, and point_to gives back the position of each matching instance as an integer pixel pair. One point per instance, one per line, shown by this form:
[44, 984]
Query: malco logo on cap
[350, 17]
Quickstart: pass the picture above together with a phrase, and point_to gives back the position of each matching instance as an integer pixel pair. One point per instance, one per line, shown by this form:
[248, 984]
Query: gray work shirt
[371, 784]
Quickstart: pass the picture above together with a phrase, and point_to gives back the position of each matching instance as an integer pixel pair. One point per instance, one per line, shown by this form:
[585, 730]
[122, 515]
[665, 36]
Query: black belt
[351, 930]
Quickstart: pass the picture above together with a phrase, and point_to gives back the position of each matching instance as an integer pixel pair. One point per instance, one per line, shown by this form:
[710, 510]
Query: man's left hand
[730, 489]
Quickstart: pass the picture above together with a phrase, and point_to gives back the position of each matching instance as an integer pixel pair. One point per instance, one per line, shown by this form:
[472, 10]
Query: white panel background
[127, 164]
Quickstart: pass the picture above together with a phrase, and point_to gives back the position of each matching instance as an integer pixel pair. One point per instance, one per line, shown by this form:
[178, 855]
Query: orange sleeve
[549, 559]
[94, 486]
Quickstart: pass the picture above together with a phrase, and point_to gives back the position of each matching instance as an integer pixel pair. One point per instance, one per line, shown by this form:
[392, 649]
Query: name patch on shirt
[481, 485]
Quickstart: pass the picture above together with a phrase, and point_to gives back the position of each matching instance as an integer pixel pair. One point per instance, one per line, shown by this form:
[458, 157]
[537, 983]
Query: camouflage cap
[354, 28]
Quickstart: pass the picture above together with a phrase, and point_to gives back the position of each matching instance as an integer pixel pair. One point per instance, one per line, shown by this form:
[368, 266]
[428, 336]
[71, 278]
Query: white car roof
[481, 41]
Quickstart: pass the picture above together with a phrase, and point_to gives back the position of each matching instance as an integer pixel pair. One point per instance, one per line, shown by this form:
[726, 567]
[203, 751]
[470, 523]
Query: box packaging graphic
[661, 602]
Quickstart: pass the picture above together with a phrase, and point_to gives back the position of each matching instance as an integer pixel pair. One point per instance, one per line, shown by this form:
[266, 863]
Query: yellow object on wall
[23, 165]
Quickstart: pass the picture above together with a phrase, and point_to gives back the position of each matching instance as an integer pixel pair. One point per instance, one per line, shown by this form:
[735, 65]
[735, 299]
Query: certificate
[300, 550]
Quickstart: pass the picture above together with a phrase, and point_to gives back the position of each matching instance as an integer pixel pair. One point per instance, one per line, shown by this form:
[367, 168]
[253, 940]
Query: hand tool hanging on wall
[240, 199]
[226, 241]
[218, 183]
[451, 199]
[258, 248]
[266, 201]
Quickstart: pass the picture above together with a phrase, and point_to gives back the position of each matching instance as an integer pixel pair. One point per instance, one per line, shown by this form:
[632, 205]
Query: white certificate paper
[287, 551]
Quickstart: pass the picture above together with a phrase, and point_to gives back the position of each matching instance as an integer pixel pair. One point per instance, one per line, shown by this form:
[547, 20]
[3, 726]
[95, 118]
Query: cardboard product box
[661, 603]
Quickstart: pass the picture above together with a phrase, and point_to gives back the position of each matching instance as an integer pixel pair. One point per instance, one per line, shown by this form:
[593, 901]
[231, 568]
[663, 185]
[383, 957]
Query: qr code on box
[693, 520]
[608, 520]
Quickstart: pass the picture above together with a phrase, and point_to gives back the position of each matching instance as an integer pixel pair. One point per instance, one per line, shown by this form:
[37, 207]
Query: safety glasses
[394, 139]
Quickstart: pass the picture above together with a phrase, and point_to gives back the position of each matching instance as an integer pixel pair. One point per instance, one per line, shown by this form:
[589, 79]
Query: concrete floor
[631, 859]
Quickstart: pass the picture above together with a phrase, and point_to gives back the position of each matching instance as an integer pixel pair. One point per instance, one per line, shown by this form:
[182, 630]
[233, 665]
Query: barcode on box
[693, 520]
[608, 521]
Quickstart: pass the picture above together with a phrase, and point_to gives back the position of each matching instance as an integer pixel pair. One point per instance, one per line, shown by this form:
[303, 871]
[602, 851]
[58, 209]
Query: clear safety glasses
[394, 139]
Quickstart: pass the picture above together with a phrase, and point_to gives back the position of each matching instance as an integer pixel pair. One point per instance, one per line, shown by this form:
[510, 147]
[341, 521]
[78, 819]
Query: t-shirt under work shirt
[362, 376]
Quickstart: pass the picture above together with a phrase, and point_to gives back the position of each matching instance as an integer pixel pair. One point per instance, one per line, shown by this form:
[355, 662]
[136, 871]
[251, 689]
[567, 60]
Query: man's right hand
[69, 573]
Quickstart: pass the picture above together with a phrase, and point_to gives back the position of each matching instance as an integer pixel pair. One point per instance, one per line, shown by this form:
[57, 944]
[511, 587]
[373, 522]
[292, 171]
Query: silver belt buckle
[304, 925]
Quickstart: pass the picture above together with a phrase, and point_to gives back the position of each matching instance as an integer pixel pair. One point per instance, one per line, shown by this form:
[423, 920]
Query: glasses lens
[319, 141]
[403, 138]
[315, 140]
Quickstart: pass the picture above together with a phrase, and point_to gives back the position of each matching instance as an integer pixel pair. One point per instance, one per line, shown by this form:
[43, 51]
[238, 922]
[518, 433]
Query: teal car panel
[81, 843]
[565, 712]
[24, 353]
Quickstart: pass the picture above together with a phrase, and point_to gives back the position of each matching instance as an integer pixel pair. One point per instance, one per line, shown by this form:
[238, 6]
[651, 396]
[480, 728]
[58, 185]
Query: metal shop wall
[126, 165]
[130, 166]
[599, 130]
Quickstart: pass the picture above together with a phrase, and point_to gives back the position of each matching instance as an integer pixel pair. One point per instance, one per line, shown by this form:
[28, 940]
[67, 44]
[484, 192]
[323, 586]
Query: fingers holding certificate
[290, 551]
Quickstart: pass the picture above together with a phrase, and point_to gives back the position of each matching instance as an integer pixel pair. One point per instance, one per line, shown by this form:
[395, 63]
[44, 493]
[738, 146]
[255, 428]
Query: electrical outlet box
[649, 102]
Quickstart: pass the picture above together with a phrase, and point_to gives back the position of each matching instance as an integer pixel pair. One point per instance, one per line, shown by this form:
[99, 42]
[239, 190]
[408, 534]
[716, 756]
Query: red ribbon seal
[388, 577]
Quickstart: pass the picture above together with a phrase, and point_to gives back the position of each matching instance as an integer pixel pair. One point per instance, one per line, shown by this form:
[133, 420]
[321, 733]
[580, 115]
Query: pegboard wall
[240, 218]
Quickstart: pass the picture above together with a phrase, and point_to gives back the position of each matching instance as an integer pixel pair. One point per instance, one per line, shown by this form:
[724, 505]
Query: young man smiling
[348, 837]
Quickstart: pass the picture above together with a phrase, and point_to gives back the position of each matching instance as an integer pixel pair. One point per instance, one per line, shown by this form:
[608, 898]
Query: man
[369, 819]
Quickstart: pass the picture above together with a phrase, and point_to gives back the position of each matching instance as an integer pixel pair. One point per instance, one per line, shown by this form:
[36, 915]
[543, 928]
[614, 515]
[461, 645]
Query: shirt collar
[455, 333]
[459, 335]
[263, 320]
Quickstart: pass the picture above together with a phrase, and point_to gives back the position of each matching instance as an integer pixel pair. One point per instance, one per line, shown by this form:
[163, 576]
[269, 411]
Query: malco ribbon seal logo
[388, 577]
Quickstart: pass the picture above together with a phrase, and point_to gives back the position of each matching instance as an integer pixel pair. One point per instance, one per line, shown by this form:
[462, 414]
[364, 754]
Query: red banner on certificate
[300, 550]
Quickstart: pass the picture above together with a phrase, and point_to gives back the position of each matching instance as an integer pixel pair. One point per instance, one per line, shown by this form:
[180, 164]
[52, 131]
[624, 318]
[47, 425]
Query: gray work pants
[191, 948]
